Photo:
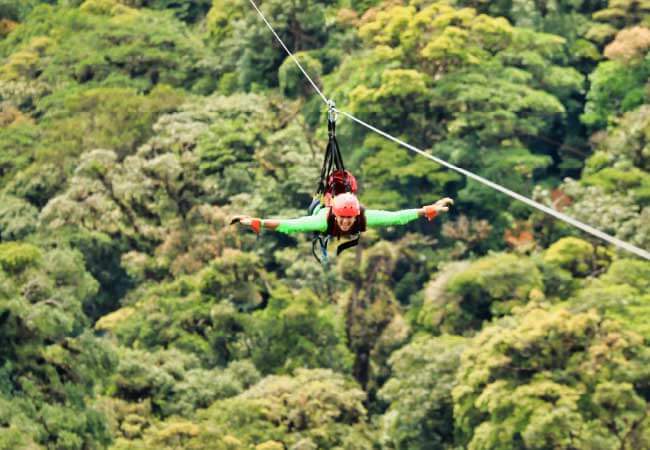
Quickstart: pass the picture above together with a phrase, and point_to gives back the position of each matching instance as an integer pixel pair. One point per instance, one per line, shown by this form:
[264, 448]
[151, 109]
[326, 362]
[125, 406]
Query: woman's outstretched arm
[377, 218]
[315, 223]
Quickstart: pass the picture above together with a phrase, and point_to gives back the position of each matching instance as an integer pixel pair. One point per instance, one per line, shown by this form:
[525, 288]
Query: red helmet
[346, 205]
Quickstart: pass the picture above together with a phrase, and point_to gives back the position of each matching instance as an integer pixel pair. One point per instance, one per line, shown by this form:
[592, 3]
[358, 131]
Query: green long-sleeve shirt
[374, 219]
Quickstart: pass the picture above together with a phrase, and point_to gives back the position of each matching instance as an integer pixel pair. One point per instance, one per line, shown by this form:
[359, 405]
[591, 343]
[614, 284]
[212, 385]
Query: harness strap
[349, 244]
[323, 241]
[333, 158]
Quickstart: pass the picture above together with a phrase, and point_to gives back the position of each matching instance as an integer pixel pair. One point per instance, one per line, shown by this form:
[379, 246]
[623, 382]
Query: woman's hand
[253, 222]
[244, 220]
[442, 205]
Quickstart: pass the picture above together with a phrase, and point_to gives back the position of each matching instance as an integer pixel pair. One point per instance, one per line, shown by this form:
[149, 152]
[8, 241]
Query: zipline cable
[558, 215]
[576, 223]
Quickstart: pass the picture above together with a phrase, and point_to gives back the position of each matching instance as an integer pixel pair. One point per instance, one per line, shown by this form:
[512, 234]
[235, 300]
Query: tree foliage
[49, 361]
[465, 295]
[552, 379]
[419, 393]
[133, 315]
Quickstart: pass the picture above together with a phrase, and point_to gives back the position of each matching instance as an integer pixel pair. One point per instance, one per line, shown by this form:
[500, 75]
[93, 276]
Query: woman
[345, 217]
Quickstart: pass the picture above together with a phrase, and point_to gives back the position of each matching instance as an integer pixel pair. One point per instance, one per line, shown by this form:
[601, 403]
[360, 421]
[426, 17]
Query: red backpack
[340, 182]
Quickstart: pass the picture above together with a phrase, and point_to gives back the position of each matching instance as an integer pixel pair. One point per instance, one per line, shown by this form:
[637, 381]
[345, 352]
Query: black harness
[333, 162]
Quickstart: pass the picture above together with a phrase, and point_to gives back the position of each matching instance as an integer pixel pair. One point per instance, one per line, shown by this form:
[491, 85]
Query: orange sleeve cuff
[256, 225]
[430, 212]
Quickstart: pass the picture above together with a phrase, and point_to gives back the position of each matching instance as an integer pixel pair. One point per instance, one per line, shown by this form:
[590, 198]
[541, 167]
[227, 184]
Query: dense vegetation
[132, 316]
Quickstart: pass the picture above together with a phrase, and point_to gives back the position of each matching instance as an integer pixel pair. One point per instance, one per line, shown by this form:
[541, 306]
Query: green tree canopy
[420, 414]
[49, 361]
[549, 378]
[465, 295]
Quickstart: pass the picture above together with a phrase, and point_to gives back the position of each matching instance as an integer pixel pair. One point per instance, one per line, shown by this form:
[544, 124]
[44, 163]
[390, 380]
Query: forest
[134, 316]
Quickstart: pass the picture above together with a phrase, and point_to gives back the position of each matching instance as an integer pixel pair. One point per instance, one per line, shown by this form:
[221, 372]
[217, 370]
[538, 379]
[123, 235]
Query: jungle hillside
[134, 316]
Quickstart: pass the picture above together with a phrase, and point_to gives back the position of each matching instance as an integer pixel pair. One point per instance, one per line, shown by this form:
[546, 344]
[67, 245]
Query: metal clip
[331, 112]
